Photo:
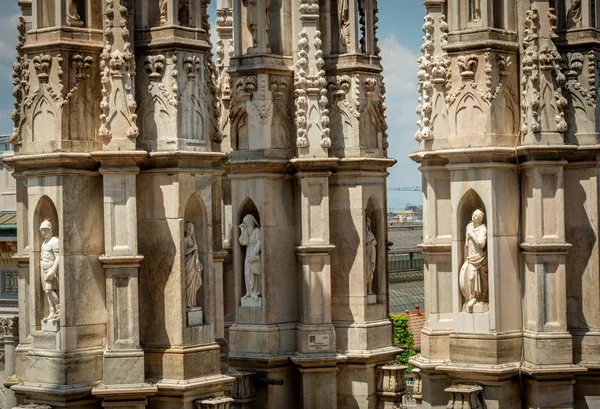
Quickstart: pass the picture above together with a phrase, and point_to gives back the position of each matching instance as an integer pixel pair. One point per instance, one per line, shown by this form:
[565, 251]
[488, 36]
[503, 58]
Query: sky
[399, 35]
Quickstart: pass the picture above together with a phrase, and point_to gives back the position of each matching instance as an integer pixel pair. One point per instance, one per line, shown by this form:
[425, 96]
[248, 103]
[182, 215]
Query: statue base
[250, 302]
[372, 299]
[195, 317]
[479, 307]
[52, 325]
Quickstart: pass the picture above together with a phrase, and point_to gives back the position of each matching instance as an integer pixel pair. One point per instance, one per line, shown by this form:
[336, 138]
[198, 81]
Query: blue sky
[400, 35]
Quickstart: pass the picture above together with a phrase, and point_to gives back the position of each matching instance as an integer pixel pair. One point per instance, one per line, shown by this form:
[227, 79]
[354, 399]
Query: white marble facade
[507, 142]
[179, 243]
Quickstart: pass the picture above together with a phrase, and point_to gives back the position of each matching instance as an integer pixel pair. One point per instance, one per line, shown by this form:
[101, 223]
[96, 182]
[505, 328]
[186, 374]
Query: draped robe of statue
[250, 237]
[344, 21]
[474, 272]
[371, 256]
[193, 267]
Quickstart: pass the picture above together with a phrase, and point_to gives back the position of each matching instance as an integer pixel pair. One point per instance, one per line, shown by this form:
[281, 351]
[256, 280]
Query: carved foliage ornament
[20, 76]
[117, 65]
[540, 56]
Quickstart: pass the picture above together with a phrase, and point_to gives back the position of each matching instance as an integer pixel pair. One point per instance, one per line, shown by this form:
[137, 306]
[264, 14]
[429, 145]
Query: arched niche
[195, 213]
[374, 213]
[46, 13]
[470, 202]
[247, 207]
[239, 133]
[44, 209]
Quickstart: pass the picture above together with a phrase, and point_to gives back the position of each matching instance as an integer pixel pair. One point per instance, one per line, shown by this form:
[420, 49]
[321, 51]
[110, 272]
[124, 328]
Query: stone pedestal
[391, 386]
[243, 391]
[52, 325]
[465, 397]
[195, 317]
[220, 402]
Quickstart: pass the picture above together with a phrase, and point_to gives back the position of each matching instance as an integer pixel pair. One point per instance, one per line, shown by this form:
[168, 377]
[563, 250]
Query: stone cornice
[57, 160]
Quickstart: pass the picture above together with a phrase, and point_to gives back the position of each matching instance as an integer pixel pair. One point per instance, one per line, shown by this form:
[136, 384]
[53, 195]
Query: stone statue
[475, 10]
[162, 6]
[49, 266]
[344, 21]
[474, 272]
[73, 17]
[250, 237]
[371, 256]
[252, 17]
[193, 267]
[574, 14]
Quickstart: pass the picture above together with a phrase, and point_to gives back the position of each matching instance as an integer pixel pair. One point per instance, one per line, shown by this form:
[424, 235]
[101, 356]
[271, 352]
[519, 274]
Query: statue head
[46, 229]
[250, 221]
[477, 217]
[188, 229]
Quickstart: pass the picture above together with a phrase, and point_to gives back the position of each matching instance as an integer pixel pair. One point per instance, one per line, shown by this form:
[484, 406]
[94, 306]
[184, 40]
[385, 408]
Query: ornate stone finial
[20, 76]
[118, 73]
[81, 65]
[467, 64]
[155, 66]
[42, 64]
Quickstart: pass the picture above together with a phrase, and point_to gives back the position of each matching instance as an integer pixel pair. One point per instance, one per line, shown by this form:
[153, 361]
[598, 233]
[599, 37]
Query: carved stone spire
[118, 120]
[312, 115]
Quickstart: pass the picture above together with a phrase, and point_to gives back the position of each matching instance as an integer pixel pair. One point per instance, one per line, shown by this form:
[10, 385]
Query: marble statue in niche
[474, 10]
[252, 19]
[574, 14]
[371, 255]
[250, 237]
[474, 272]
[162, 7]
[73, 17]
[49, 266]
[344, 21]
[193, 267]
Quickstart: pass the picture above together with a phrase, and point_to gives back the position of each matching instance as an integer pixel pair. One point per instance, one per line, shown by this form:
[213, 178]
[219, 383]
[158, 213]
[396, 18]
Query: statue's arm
[243, 235]
[52, 270]
[481, 238]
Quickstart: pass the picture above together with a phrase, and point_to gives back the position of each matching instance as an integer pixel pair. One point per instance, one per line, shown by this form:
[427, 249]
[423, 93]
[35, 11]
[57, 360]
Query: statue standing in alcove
[370, 255]
[252, 17]
[49, 266]
[250, 237]
[193, 267]
[474, 272]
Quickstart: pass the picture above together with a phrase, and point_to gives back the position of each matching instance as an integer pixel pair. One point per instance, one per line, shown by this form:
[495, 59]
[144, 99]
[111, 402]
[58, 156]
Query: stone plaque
[318, 342]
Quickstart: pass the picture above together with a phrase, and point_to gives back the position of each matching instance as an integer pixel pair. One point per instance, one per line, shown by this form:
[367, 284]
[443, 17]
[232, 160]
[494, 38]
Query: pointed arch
[43, 122]
[468, 114]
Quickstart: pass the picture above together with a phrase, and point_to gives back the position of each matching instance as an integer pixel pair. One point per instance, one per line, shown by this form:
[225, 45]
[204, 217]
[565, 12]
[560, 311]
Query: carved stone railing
[243, 390]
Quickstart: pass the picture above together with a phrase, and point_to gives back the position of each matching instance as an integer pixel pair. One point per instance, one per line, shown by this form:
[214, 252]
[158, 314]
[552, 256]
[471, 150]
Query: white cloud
[400, 75]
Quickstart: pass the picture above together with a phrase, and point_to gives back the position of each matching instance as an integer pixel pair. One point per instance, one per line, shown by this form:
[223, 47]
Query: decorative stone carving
[73, 18]
[20, 76]
[49, 270]
[574, 14]
[425, 84]
[219, 402]
[474, 271]
[34, 406]
[118, 72]
[9, 327]
[391, 386]
[250, 238]
[193, 267]
[464, 397]
[243, 389]
[344, 23]
[162, 6]
[540, 56]
[252, 19]
[370, 255]
[467, 64]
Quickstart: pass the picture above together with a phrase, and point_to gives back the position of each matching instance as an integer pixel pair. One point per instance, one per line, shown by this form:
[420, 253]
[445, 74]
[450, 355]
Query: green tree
[402, 336]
